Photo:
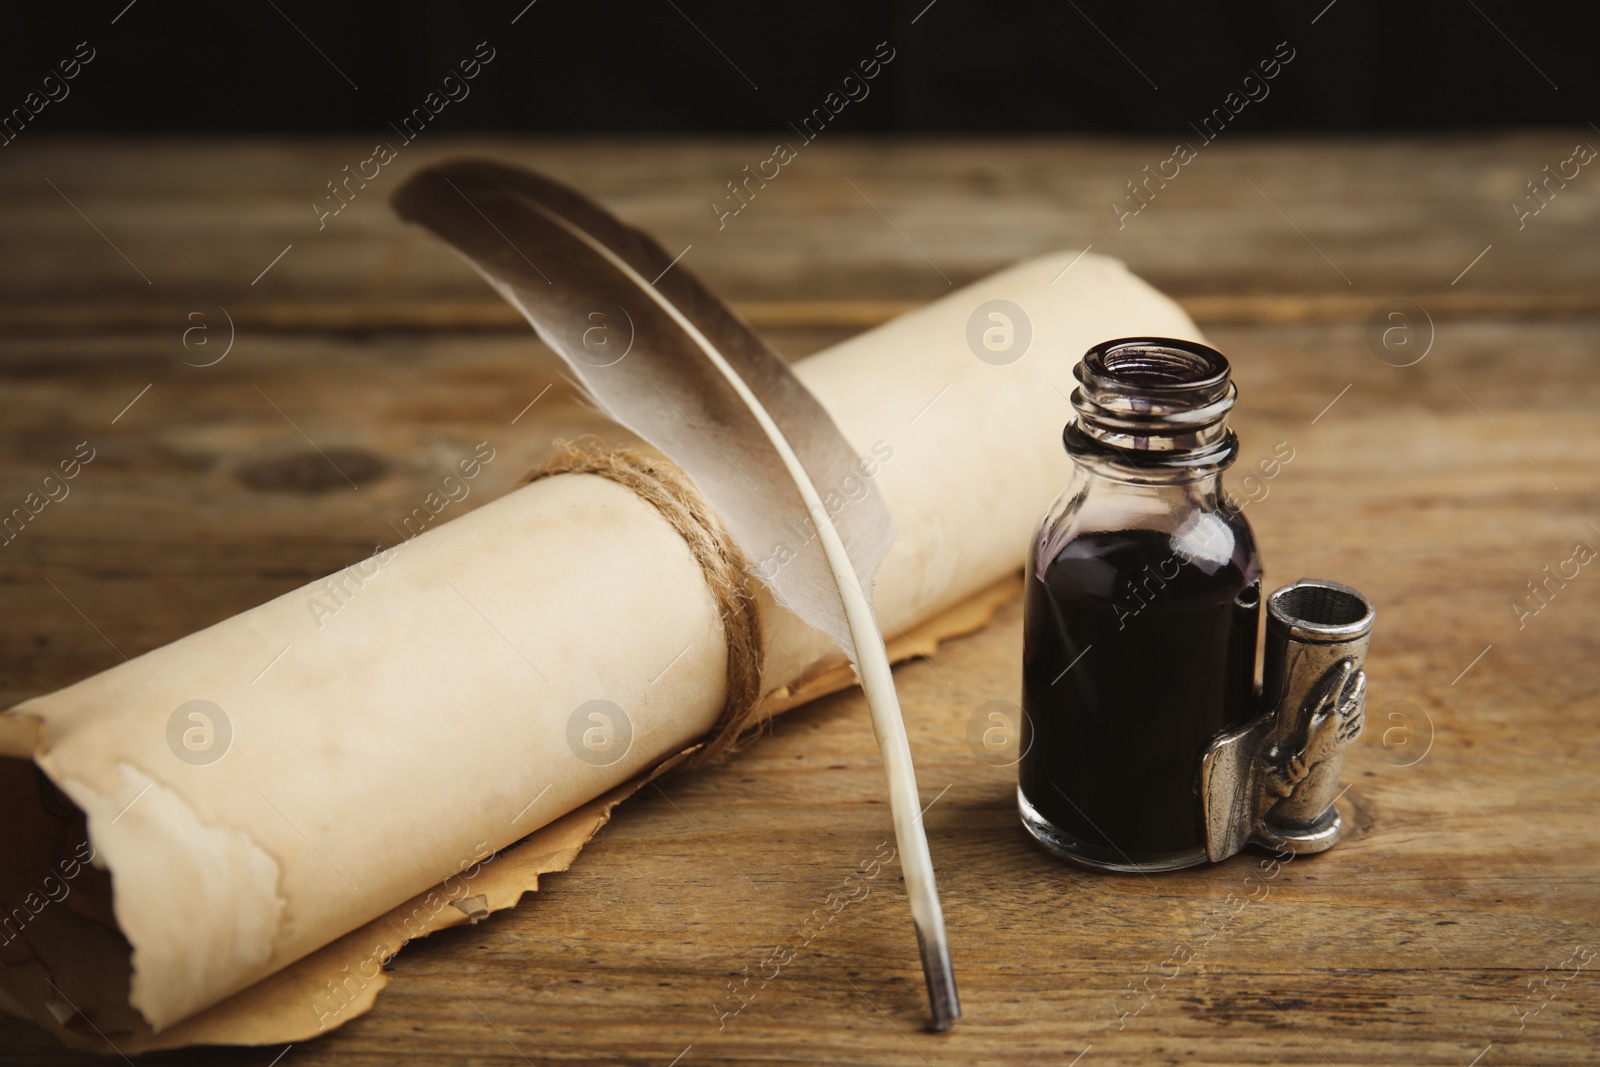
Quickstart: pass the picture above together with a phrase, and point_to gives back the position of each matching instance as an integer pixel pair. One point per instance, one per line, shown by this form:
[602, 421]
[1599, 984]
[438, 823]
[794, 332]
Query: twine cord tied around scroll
[666, 488]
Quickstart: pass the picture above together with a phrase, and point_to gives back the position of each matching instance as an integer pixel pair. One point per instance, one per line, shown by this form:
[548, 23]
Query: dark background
[756, 65]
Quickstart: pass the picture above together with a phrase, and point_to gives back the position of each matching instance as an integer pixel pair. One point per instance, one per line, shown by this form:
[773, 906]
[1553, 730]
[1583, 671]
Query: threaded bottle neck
[1153, 402]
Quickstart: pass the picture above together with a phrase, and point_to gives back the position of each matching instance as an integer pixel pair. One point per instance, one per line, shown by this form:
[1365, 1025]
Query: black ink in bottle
[1141, 610]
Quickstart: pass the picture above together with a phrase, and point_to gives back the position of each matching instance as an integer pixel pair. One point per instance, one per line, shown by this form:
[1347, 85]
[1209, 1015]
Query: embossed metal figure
[1275, 780]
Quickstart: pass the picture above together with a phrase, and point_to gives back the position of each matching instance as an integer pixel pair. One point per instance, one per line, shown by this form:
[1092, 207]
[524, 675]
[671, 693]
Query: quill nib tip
[942, 998]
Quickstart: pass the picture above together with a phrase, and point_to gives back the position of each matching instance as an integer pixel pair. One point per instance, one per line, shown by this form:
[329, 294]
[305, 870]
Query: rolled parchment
[449, 708]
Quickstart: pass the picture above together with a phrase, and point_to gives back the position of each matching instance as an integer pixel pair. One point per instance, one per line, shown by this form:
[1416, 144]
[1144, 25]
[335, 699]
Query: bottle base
[1069, 848]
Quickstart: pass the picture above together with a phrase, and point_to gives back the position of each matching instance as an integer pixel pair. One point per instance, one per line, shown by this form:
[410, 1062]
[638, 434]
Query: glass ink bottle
[1142, 603]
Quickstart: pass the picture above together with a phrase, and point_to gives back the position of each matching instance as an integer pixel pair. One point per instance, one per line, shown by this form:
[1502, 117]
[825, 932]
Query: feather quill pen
[663, 356]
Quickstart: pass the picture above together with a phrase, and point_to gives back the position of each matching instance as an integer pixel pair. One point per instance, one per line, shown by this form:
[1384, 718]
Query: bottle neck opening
[1153, 403]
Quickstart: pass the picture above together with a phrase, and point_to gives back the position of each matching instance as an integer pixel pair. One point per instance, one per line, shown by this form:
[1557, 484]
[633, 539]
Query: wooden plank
[173, 318]
[848, 219]
[1438, 489]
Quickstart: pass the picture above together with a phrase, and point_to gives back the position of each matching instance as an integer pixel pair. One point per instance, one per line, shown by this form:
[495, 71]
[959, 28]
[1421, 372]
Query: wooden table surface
[1454, 927]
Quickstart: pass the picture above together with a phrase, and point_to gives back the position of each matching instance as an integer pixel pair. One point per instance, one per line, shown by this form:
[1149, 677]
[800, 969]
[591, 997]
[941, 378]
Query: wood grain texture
[1437, 934]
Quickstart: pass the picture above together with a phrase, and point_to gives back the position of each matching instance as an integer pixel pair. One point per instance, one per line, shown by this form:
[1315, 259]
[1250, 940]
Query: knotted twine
[727, 573]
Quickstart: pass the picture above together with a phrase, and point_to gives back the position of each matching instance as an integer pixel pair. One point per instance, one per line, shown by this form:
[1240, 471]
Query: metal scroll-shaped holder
[1274, 781]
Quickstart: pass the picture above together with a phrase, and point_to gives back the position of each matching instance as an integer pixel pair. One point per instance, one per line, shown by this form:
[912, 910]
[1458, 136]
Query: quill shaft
[872, 661]
[888, 726]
